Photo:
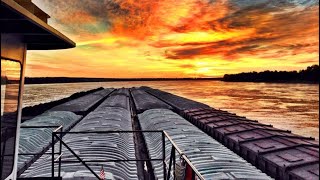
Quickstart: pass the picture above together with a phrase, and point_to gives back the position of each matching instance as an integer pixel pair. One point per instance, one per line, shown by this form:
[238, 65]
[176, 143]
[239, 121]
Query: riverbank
[50, 80]
[309, 75]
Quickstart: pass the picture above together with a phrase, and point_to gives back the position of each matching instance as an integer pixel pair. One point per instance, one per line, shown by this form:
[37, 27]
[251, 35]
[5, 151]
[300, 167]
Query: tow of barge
[135, 133]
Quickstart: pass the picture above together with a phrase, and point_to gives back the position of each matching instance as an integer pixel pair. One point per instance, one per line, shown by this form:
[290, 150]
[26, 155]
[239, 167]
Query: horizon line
[131, 78]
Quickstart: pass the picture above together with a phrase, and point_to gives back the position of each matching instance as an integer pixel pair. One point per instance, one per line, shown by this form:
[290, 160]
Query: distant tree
[4, 79]
[311, 74]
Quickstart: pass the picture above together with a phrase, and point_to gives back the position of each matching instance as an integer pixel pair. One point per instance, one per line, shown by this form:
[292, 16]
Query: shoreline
[280, 82]
[61, 80]
[55, 80]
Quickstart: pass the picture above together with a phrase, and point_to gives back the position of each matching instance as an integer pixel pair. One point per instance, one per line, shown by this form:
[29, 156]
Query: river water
[292, 107]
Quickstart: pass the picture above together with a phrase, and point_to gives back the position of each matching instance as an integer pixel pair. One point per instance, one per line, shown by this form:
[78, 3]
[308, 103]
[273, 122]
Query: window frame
[17, 118]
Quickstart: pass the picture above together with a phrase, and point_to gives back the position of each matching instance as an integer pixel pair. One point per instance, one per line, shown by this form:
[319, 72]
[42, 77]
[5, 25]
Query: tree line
[47, 80]
[311, 75]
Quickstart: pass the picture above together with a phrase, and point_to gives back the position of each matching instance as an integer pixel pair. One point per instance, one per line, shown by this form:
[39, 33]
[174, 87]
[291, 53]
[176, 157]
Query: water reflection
[287, 106]
[9, 98]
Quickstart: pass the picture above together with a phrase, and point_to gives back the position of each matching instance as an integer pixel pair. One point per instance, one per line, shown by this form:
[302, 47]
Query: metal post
[164, 156]
[174, 162]
[170, 162]
[60, 149]
[73, 153]
[52, 155]
[193, 175]
[3, 149]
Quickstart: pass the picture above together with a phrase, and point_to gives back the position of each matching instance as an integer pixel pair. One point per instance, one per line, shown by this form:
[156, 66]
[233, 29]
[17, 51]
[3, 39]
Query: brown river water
[286, 106]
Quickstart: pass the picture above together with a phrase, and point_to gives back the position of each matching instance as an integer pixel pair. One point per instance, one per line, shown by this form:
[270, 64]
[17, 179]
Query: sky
[178, 38]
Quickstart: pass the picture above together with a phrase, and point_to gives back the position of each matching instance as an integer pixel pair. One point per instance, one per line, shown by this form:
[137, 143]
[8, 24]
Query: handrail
[55, 134]
[35, 127]
[172, 142]
[182, 155]
[83, 162]
[43, 151]
[59, 128]
[61, 133]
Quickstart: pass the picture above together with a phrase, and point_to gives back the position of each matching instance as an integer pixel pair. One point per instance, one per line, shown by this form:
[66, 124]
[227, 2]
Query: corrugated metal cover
[95, 147]
[174, 100]
[210, 157]
[118, 100]
[84, 103]
[35, 139]
[145, 101]
[121, 91]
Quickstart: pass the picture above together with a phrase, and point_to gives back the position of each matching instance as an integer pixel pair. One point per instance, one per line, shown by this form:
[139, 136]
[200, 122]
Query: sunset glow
[170, 38]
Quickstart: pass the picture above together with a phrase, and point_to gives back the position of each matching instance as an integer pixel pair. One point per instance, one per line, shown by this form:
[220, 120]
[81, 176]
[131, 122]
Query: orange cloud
[187, 38]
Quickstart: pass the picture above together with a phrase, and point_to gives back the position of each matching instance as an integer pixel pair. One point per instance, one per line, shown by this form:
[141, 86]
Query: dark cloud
[285, 28]
[187, 66]
[274, 3]
[250, 49]
[308, 61]
[79, 16]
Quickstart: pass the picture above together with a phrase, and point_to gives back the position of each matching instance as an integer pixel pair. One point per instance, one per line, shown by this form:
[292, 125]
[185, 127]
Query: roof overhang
[37, 34]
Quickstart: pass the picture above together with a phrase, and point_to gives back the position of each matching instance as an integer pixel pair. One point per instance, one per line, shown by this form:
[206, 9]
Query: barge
[129, 133]
[99, 130]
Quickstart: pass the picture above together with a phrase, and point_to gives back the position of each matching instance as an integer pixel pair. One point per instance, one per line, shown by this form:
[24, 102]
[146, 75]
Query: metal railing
[40, 127]
[172, 161]
[166, 167]
[39, 153]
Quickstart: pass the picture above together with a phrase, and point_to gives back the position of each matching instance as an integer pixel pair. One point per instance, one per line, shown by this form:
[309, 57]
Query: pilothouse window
[10, 86]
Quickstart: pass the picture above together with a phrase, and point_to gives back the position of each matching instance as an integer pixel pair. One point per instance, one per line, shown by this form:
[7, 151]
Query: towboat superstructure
[23, 27]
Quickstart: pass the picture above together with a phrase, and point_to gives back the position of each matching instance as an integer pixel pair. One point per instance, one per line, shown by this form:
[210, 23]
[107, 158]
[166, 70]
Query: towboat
[129, 133]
